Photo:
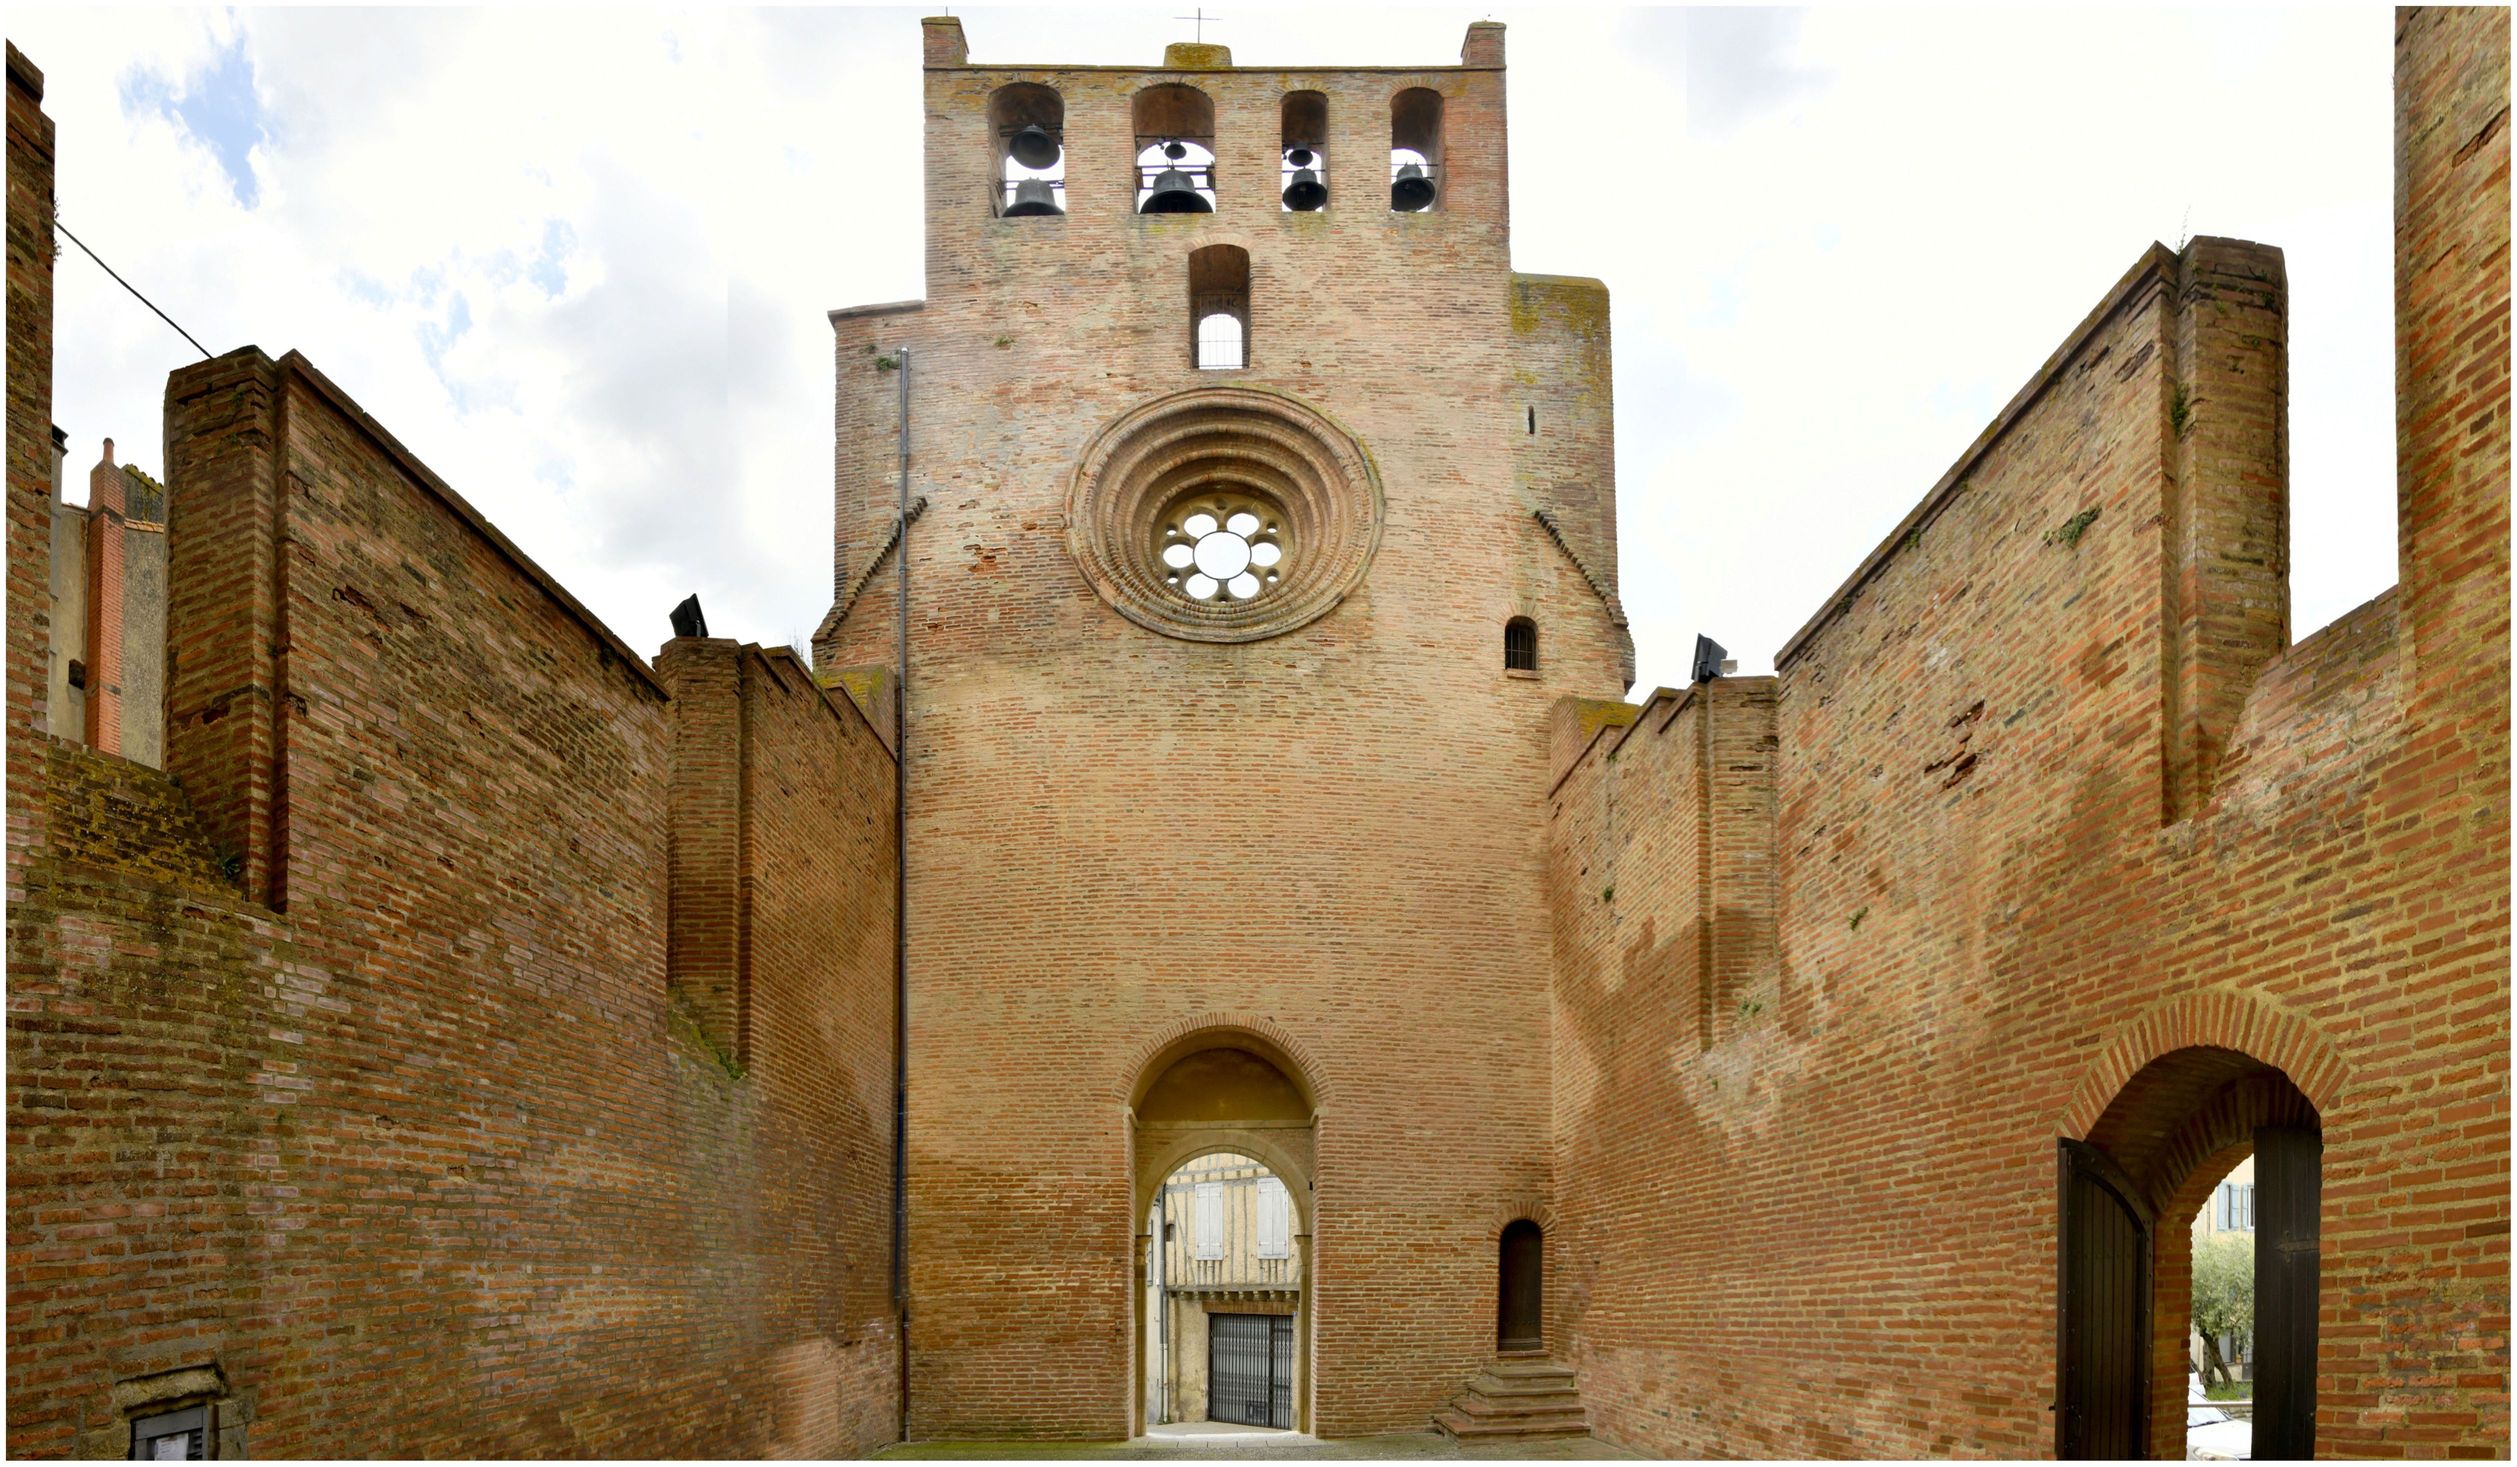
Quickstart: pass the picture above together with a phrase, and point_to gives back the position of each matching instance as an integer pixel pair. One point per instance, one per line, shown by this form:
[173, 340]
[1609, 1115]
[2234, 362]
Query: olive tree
[2224, 1295]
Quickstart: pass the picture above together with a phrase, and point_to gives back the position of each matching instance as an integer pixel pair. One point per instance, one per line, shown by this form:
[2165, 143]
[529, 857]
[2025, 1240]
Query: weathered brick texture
[1113, 833]
[2070, 842]
[31, 461]
[344, 1065]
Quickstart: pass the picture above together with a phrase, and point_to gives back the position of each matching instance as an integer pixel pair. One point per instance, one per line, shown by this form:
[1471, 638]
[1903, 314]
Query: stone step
[1486, 1408]
[1521, 1396]
[1517, 1387]
[1477, 1405]
[1471, 1428]
[1534, 1369]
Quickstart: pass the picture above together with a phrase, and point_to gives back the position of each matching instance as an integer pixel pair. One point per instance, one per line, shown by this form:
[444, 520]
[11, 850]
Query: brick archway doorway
[1216, 1099]
[2127, 1197]
[1520, 1273]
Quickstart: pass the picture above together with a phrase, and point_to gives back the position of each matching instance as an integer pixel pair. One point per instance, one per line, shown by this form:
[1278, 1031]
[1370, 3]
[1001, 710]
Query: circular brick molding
[1149, 475]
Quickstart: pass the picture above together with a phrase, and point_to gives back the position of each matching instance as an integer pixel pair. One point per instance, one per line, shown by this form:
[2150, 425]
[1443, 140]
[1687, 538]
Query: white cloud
[578, 260]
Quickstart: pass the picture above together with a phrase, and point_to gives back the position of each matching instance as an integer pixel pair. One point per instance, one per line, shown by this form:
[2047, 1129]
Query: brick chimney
[104, 604]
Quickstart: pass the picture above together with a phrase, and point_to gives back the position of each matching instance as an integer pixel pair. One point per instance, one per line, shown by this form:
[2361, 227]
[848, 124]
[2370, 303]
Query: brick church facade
[470, 1037]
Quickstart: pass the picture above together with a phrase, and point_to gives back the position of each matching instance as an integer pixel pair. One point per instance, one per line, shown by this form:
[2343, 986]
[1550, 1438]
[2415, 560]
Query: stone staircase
[1518, 1398]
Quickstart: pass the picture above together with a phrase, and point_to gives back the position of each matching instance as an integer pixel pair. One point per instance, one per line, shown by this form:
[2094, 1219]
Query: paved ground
[1249, 1446]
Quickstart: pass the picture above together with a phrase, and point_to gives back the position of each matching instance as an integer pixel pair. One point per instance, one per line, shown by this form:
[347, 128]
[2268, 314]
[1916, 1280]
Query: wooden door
[2101, 1311]
[1519, 1313]
[2289, 1193]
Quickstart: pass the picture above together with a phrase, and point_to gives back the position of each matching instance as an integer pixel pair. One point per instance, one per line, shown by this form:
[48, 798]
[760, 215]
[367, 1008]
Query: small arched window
[1415, 150]
[1520, 645]
[1175, 150]
[1219, 307]
[1027, 135]
[1304, 140]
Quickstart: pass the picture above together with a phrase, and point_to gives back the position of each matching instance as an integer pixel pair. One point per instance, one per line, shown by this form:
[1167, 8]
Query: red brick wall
[2048, 809]
[1114, 833]
[31, 464]
[345, 1061]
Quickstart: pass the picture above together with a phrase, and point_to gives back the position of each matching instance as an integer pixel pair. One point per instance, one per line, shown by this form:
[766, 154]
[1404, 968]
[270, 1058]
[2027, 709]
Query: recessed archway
[1236, 1103]
[2129, 1191]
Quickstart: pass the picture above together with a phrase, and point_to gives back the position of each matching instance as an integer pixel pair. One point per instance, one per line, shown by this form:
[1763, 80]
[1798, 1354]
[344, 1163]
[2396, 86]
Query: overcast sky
[579, 260]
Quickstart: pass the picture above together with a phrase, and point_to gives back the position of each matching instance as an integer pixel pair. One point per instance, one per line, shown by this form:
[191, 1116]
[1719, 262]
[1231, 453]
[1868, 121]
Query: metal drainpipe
[900, 920]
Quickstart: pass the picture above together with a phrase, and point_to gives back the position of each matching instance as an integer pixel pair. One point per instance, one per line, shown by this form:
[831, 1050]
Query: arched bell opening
[1175, 150]
[1302, 185]
[2129, 1195]
[1027, 133]
[1221, 1159]
[1520, 1311]
[1415, 150]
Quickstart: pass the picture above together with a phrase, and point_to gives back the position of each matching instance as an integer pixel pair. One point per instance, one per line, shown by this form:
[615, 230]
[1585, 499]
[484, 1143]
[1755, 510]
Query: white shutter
[1275, 1217]
[1210, 1219]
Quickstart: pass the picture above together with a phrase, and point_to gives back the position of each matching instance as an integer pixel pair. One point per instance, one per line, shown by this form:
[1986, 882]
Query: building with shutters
[2230, 1211]
[1224, 1231]
[473, 1038]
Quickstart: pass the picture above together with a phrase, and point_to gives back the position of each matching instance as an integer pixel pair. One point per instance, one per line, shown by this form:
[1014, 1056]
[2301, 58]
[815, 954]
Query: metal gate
[1249, 1369]
[2101, 1311]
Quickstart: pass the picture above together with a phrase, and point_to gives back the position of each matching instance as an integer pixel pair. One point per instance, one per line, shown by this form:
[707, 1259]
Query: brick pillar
[225, 426]
[104, 604]
[2451, 354]
[2228, 548]
[945, 45]
[1736, 876]
[32, 468]
[707, 936]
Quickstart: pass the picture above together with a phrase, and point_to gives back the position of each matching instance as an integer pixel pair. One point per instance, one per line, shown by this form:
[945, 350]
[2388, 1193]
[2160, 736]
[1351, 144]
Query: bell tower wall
[1131, 813]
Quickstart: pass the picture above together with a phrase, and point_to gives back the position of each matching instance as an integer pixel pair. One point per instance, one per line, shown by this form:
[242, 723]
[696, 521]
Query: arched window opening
[1219, 307]
[1175, 151]
[1415, 150]
[1520, 645]
[1304, 140]
[1027, 135]
[1520, 1278]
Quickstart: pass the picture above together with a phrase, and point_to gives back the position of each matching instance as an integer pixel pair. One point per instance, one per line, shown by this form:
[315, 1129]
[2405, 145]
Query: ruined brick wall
[344, 1081]
[2053, 799]
[33, 467]
[782, 888]
[1115, 833]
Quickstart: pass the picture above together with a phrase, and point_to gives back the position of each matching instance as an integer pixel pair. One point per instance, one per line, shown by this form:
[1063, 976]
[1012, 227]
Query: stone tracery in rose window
[1223, 547]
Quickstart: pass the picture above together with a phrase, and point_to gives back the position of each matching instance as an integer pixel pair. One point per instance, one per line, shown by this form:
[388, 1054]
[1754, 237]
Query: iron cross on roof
[1200, 18]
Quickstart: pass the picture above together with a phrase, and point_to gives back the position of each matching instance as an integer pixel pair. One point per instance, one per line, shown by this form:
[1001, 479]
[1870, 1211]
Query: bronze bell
[1033, 197]
[1174, 194]
[1033, 147]
[1306, 192]
[1411, 192]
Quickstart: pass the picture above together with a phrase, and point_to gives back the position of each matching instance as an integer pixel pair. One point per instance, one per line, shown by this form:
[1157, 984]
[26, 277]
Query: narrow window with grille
[173, 1436]
[1520, 645]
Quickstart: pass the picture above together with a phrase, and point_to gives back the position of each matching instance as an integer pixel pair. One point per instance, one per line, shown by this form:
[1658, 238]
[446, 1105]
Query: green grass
[2236, 1390]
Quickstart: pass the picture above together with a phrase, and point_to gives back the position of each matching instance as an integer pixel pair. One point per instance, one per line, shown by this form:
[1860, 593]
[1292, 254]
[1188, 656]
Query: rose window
[1223, 549]
[1223, 514]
